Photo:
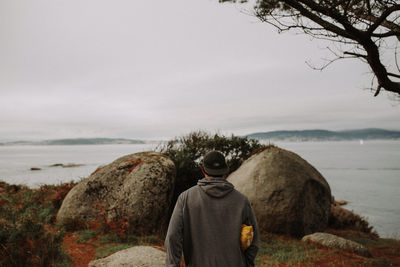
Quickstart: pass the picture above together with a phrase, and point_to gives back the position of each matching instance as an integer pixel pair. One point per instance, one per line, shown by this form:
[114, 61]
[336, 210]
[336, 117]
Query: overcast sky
[162, 68]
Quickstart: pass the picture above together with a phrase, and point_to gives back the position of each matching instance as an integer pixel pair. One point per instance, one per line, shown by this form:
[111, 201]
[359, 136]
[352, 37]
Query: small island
[325, 135]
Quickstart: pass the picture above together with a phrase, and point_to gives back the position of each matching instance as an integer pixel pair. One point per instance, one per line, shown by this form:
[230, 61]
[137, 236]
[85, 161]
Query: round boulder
[288, 195]
[137, 187]
[139, 256]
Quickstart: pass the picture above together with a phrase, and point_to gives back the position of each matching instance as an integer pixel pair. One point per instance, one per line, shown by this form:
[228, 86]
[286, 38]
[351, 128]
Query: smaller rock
[35, 169]
[138, 256]
[57, 165]
[71, 165]
[336, 242]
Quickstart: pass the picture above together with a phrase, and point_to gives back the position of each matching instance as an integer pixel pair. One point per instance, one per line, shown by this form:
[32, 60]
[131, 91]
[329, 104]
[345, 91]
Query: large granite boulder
[137, 186]
[139, 256]
[337, 242]
[288, 195]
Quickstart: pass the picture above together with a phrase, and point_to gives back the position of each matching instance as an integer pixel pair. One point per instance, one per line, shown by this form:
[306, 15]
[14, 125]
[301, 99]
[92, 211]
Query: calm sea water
[367, 175]
[16, 161]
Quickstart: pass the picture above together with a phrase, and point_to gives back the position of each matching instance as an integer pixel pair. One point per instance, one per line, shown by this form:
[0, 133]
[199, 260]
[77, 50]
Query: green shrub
[110, 238]
[85, 235]
[27, 237]
[48, 215]
[341, 218]
[26, 242]
[187, 153]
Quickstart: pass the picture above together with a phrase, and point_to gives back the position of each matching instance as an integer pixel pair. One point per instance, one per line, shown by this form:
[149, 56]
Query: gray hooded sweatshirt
[206, 225]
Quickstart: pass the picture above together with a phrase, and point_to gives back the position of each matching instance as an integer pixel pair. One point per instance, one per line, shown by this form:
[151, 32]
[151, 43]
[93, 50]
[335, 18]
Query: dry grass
[341, 218]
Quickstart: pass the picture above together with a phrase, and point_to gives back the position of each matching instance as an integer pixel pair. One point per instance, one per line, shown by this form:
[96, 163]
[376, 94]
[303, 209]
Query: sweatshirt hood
[215, 187]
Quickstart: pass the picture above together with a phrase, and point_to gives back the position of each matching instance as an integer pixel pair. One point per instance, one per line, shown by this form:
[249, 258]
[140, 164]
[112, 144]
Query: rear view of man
[207, 219]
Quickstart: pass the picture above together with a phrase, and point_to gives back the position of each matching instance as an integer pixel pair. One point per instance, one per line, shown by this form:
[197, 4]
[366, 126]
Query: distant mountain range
[302, 135]
[78, 141]
[324, 135]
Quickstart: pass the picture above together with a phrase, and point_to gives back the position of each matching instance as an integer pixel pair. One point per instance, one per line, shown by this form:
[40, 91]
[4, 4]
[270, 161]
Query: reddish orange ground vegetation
[80, 253]
[27, 223]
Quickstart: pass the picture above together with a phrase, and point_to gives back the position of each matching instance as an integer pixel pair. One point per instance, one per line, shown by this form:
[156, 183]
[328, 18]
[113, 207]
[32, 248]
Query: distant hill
[79, 141]
[324, 135]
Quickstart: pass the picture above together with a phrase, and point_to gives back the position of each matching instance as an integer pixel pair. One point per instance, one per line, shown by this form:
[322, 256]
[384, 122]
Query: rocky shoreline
[95, 215]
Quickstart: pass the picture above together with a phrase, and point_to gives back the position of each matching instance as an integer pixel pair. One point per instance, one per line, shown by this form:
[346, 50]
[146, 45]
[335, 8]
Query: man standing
[207, 219]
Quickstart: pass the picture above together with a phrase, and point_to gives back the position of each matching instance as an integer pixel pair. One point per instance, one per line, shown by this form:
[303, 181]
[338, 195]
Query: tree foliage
[187, 153]
[362, 29]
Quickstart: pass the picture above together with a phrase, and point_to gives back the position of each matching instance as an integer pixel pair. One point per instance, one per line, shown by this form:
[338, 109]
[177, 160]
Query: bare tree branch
[366, 29]
[355, 54]
[378, 90]
[383, 17]
[393, 75]
[386, 34]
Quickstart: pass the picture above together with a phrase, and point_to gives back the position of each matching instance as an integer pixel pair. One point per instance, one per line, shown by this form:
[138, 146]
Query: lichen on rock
[136, 186]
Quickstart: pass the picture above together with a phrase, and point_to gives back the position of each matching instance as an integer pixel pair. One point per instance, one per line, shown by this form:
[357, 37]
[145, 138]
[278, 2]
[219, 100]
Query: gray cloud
[154, 69]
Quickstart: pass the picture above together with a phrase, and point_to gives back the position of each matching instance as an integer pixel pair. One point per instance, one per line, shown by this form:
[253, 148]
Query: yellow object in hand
[246, 236]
